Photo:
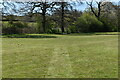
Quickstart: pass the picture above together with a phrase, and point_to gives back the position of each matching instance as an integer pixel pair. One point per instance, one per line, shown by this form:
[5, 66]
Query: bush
[89, 23]
[55, 31]
[10, 30]
[110, 24]
[20, 24]
[72, 29]
[13, 28]
[67, 30]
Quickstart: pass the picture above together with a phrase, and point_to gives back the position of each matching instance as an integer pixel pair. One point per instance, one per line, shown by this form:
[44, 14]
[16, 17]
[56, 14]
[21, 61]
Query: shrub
[55, 30]
[67, 30]
[13, 28]
[89, 23]
[20, 24]
[72, 29]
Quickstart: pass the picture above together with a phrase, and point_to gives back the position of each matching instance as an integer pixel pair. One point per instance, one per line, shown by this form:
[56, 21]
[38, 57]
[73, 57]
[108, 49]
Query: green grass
[66, 56]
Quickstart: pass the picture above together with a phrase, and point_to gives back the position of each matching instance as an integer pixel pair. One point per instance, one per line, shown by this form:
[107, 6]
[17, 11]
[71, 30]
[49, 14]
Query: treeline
[62, 18]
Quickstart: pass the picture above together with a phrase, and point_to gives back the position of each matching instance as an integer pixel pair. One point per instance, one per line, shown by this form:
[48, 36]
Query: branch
[91, 6]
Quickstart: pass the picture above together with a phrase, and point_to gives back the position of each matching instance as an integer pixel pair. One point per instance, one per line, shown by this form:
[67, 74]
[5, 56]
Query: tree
[110, 15]
[62, 9]
[88, 23]
[43, 7]
[106, 12]
[30, 8]
[62, 12]
[99, 5]
[62, 16]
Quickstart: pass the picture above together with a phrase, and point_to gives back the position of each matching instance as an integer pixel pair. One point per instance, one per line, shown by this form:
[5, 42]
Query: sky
[78, 7]
[57, 0]
[81, 7]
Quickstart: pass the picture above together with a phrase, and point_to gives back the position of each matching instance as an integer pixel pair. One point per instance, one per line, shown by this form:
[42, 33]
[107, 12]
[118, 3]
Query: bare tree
[99, 5]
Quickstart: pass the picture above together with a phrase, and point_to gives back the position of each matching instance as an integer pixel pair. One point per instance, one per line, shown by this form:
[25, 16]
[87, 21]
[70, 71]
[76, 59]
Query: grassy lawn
[61, 56]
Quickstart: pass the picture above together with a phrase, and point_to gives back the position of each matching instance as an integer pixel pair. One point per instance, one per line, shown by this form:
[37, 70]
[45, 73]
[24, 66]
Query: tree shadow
[81, 34]
[107, 34]
[92, 34]
[27, 36]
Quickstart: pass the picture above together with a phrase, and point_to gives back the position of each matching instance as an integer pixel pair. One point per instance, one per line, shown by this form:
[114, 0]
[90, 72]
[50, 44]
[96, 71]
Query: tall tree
[62, 16]
[63, 9]
[44, 6]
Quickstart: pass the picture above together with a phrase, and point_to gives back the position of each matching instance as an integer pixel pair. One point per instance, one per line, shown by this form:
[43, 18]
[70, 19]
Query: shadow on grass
[27, 36]
[81, 34]
[51, 36]
[96, 33]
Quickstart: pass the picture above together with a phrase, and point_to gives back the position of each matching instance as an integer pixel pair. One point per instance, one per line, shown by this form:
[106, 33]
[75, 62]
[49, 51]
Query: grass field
[61, 56]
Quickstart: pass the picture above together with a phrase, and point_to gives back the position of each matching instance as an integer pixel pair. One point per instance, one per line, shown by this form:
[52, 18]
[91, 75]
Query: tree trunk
[44, 18]
[99, 10]
[62, 18]
[44, 22]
